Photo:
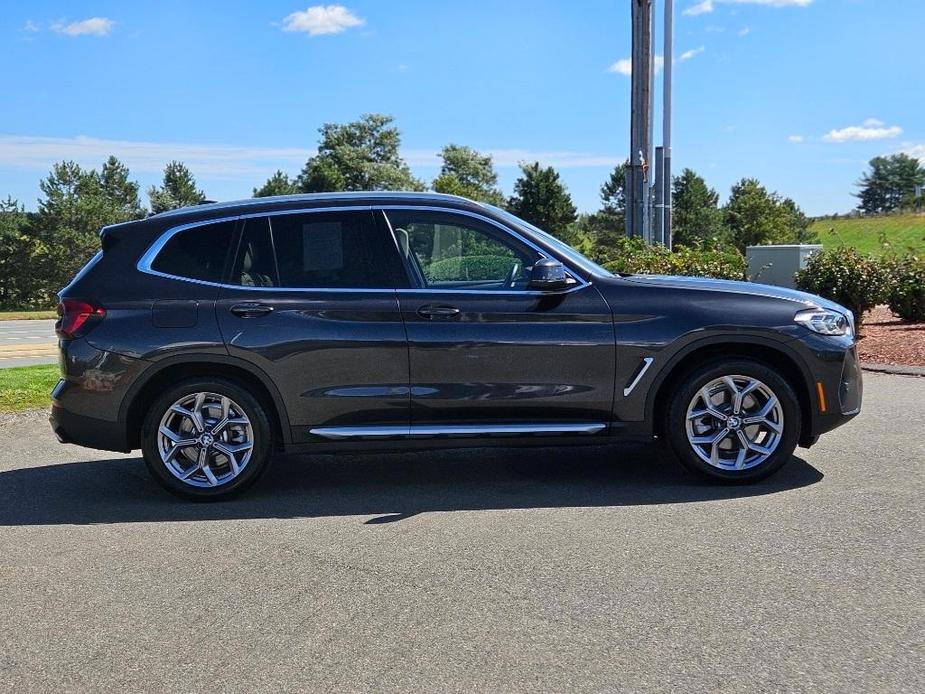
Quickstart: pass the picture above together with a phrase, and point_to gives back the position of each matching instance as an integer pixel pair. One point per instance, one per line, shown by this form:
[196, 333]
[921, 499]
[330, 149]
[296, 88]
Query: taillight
[73, 314]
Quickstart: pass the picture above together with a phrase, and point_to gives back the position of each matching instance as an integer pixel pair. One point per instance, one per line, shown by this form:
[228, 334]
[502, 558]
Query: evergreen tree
[696, 219]
[178, 189]
[890, 183]
[278, 184]
[542, 199]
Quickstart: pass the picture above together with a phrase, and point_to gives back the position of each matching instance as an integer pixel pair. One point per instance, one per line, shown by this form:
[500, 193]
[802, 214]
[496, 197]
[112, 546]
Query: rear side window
[197, 253]
[317, 250]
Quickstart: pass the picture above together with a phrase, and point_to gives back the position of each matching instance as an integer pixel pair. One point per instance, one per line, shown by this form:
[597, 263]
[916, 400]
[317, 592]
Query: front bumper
[837, 388]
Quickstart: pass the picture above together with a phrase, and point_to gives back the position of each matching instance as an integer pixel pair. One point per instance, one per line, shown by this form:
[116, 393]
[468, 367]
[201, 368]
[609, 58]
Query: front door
[487, 353]
[314, 306]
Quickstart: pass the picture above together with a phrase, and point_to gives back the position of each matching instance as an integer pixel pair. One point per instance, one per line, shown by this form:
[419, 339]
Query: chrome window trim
[349, 432]
[581, 283]
[147, 259]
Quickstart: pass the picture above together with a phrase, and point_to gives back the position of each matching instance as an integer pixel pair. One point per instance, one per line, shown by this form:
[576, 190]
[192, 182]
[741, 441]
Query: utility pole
[645, 218]
[666, 124]
[641, 82]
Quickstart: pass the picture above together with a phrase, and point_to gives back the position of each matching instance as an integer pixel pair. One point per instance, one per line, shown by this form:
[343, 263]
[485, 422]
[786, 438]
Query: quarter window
[197, 253]
[450, 251]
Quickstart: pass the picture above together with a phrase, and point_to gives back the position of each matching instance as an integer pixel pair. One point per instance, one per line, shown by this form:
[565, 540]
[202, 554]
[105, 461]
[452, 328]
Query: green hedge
[906, 292]
[635, 256]
[855, 280]
[475, 267]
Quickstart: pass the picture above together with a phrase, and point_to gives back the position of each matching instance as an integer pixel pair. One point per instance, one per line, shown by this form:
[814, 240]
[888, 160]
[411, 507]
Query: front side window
[450, 251]
[316, 250]
[197, 253]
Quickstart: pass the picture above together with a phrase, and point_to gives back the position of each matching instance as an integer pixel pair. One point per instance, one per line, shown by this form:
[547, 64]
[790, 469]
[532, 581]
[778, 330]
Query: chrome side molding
[646, 363]
[379, 432]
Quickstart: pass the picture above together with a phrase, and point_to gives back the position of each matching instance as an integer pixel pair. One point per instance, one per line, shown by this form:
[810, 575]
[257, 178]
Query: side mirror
[548, 275]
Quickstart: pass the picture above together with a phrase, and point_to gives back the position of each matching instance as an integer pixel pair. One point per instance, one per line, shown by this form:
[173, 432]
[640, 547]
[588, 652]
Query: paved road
[553, 570]
[27, 342]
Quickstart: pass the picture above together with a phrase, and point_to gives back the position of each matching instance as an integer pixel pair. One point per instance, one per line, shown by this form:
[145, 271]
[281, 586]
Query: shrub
[473, 267]
[906, 294]
[847, 277]
[634, 256]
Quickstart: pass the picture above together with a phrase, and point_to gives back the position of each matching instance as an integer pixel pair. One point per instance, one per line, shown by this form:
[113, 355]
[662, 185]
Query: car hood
[733, 287]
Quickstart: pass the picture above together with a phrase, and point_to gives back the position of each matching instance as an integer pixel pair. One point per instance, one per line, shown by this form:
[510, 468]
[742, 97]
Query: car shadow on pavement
[389, 487]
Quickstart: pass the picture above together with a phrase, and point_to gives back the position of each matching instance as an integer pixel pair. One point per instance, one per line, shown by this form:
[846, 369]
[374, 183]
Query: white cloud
[624, 66]
[871, 129]
[745, 31]
[700, 8]
[234, 161]
[796, 139]
[708, 6]
[687, 55]
[31, 26]
[322, 19]
[94, 26]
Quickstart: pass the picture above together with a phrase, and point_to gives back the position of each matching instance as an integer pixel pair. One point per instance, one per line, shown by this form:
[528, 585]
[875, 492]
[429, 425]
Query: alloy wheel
[735, 422]
[205, 439]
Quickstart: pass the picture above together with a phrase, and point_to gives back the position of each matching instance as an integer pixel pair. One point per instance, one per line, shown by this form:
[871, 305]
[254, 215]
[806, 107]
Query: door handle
[438, 312]
[251, 310]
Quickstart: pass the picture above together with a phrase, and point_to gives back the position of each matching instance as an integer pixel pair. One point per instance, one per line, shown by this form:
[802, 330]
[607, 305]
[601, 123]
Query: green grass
[27, 315]
[27, 387]
[902, 231]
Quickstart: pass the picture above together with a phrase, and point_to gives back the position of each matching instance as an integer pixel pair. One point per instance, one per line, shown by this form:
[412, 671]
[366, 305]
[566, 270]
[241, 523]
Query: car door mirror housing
[548, 275]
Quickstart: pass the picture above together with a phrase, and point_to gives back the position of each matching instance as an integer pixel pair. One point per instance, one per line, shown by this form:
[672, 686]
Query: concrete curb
[895, 369]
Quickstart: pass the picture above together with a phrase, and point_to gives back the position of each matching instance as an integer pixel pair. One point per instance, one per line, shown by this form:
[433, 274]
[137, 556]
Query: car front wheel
[734, 421]
[206, 439]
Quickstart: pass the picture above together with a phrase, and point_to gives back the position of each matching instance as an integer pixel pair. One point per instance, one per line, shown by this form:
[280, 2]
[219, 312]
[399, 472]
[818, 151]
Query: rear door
[313, 304]
[487, 353]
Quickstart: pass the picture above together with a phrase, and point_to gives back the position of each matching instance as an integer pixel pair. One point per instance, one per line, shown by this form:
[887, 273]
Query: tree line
[40, 251]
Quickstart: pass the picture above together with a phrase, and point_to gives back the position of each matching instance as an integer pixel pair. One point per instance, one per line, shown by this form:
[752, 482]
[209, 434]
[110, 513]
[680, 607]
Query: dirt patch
[886, 340]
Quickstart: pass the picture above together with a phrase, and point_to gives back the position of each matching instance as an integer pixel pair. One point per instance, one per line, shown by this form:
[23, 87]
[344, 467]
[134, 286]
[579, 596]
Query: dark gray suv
[211, 336]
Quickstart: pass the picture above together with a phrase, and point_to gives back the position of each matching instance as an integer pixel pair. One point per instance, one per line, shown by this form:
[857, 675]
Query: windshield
[564, 249]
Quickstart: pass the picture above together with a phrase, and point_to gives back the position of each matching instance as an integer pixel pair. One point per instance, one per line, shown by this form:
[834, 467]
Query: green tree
[543, 200]
[755, 216]
[76, 204]
[362, 155]
[468, 173]
[613, 196]
[278, 184]
[696, 219]
[178, 189]
[18, 286]
[120, 192]
[890, 183]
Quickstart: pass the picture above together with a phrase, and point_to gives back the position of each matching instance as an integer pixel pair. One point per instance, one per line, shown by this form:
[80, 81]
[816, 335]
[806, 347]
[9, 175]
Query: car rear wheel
[733, 421]
[206, 439]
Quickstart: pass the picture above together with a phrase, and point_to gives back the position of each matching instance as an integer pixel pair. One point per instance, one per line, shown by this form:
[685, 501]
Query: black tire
[259, 454]
[674, 425]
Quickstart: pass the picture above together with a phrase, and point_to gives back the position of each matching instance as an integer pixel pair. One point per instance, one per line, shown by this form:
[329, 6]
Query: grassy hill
[902, 231]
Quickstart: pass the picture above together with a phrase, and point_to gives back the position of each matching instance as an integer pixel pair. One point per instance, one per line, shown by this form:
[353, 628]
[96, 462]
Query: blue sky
[798, 93]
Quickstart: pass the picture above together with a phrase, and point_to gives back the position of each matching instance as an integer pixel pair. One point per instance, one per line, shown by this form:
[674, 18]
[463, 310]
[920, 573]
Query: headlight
[825, 322]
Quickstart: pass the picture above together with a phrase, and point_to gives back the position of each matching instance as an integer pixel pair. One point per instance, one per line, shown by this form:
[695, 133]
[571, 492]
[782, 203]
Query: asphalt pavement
[27, 342]
[508, 570]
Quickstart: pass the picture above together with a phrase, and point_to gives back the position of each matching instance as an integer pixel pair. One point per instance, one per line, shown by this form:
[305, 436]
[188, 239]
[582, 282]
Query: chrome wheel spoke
[740, 432]
[186, 425]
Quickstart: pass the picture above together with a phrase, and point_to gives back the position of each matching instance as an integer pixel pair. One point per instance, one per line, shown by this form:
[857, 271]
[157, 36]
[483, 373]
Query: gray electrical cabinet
[777, 264]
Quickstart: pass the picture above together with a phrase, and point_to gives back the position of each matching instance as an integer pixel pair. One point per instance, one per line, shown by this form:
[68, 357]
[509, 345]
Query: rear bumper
[86, 401]
[88, 431]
